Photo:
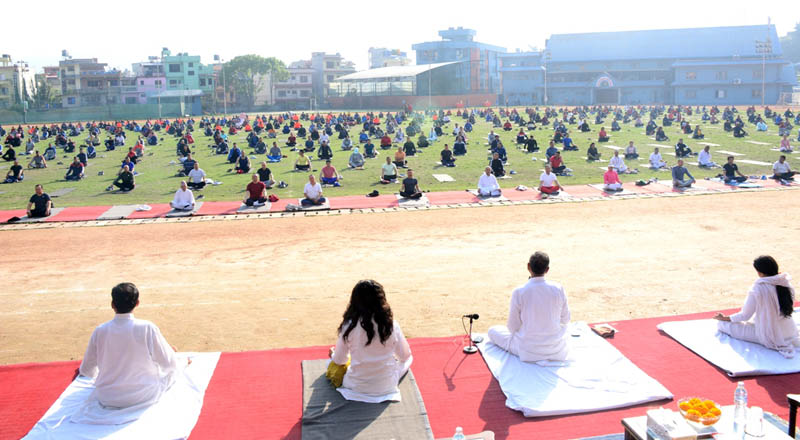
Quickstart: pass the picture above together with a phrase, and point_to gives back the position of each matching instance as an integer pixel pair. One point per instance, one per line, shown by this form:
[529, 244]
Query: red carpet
[530, 194]
[364, 202]
[218, 208]
[5, 215]
[259, 395]
[453, 197]
[157, 210]
[78, 214]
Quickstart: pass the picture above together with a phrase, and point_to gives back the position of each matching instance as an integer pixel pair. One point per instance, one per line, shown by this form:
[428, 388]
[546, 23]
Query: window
[191, 64]
[142, 95]
[71, 100]
[173, 68]
[112, 99]
[71, 68]
[173, 82]
[191, 73]
[202, 82]
[722, 75]
[141, 82]
[329, 64]
[755, 93]
[93, 83]
[330, 78]
[158, 83]
[113, 82]
[690, 94]
[71, 82]
[4, 91]
[691, 75]
[720, 94]
[304, 93]
[292, 78]
[757, 74]
[130, 100]
[303, 78]
[281, 93]
[211, 81]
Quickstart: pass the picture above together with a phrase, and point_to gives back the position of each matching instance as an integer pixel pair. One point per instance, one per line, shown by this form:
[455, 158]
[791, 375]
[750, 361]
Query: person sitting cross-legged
[242, 164]
[681, 150]
[400, 158]
[704, 159]
[447, 157]
[557, 164]
[265, 175]
[356, 160]
[325, 151]
[410, 188]
[409, 148]
[630, 152]
[619, 164]
[487, 184]
[303, 163]
[388, 172]
[132, 364]
[602, 136]
[328, 175]
[551, 150]
[592, 154]
[459, 148]
[548, 182]
[732, 174]
[125, 181]
[197, 177]
[679, 176]
[274, 153]
[256, 192]
[15, 173]
[75, 170]
[538, 317]
[611, 180]
[183, 199]
[39, 204]
[782, 171]
[312, 192]
[656, 161]
[766, 317]
[497, 166]
[371, 353]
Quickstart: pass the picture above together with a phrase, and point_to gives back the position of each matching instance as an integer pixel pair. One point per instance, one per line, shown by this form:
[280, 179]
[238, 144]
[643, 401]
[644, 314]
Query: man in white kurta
[656, 161]
[183, 199]
[704, 159]
[618, 163]
[487, 184]
[537, 321]
[132, 363]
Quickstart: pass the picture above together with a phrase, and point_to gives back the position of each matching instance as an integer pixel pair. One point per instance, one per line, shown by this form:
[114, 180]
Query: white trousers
[613, 186]
[488, 192]
[745, 331]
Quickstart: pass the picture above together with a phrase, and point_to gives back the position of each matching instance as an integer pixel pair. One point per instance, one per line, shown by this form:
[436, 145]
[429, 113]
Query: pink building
[147, 86]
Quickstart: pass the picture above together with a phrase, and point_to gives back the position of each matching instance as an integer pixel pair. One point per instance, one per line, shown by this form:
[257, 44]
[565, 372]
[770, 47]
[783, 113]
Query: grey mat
[404, 202]
[323, 207]
[244, 209]
[53, 212]
[118, 212]
[177, 213]
[485, 199]
[327, 415]
[444, 178]
[61, 192]
[601, 187]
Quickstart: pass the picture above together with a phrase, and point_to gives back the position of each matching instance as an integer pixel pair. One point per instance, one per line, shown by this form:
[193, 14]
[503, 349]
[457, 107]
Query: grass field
[157, 180]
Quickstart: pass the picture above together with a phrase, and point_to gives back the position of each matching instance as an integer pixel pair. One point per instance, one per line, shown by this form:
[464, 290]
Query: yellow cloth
[336, 372]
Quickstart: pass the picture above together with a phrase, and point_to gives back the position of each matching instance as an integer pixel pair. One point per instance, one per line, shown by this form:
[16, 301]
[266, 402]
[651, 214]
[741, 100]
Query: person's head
[557, 154]
[680, 162]
[706, 148]
[785, 136]
[538, 264]
[124, 297]
[616, 153]
[591, 145]
[547, 169]
[782, 158]
[196, 165]
[183, 185]
[368, 304]
[655, 150]
[254, 178]
[38, 189]
[388, 159]
[552, 143]
[410, 173]
[630, 143]
[488, 170]
[126, 169]
[766, 266]
[610, 168]
[311, 179]
[446, 147]
[302, 153]
[730, 159]
[496, 155]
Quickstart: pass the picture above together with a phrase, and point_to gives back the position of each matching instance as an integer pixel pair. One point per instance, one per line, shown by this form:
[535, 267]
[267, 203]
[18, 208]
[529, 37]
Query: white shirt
[312, 191]
[780, 168]
[183, 198]
[538, 320]
[773, 330]
[704, 158]
[132, 362]
[488, 182]
[375, 369]
[197, 175]
[547, 179]
[617, 162]
[655, 159]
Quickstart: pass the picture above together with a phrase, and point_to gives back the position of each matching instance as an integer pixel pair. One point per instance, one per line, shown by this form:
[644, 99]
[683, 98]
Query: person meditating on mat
[388, 172]
[487, 184]
[256, 192]
[371, 353]
[497, 166]
[328, 175]
[602, 136]
[265, 175]
[447, 157]
[548, 182]
[356, 160]
[183, 199]
[39, 204]
[618, 163]
[679, 174]
[197, 177]
[274, 153]
[630, 152]
[15, 173]
[303, 163]
[592, 154]
[611, 180]
[769, 303]
[704, 159]
[75, 170]
[782, 171]
[312, 192]
[732, 173]
[125, 181]
[681, 150]
[656, 161]
[400, 158]
[538, 317]
[410, 187]
[132, 363]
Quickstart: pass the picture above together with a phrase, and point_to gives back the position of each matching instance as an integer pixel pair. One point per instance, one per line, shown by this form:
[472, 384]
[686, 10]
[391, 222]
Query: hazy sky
[291, 30]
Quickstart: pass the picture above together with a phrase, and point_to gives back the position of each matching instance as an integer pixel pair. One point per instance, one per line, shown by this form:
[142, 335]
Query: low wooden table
[636, 428]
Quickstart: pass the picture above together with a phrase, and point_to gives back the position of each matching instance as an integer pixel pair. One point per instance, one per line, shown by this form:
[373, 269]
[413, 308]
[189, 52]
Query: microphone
[472, 316]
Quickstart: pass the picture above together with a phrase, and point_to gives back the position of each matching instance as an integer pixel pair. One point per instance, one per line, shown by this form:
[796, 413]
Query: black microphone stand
[471, 348]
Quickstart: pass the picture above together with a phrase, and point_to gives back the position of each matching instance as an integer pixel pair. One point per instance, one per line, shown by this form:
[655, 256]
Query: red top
[386, 140]
[256, 189]
[555, 160]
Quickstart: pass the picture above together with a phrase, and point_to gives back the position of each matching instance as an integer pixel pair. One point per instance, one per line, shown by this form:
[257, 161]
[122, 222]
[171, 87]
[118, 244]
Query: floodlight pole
[429, 84]
[764, 48]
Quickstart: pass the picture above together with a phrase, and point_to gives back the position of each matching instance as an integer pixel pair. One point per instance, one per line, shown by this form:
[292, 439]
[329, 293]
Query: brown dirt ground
[260, 284]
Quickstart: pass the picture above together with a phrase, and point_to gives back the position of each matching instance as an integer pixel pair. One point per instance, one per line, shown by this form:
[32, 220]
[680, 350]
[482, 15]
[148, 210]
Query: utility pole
[764, 47]
[546, 59]
[224, 88]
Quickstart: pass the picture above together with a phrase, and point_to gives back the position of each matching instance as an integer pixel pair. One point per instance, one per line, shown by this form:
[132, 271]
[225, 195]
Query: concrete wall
[104, 113]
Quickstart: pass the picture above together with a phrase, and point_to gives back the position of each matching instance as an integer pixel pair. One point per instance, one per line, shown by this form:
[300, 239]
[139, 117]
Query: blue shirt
[679, 172]
[551, 151]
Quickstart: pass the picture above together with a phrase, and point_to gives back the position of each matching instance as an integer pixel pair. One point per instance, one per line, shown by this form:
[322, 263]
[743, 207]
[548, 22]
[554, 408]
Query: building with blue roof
[704, 66]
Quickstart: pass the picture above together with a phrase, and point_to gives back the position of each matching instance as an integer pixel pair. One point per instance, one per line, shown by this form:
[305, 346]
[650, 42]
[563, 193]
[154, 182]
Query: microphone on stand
[471, 348]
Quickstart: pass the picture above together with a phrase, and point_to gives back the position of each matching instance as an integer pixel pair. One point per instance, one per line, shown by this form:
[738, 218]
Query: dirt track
[258, 284]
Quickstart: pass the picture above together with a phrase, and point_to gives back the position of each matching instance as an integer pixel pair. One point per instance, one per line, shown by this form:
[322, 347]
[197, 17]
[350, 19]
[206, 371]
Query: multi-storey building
[383, 57]
[16, 80]
[297, 90]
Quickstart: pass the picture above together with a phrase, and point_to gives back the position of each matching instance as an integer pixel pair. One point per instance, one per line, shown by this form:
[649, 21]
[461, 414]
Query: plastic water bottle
[739, 409]
[459, 435]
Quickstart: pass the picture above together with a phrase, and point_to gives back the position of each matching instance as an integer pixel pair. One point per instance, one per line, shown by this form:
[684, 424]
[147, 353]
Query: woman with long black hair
[379, 353]
[770, 303]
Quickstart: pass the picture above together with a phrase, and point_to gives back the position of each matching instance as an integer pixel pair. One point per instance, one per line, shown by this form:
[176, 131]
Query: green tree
[44, 94]
[791, 44]
[247, 75]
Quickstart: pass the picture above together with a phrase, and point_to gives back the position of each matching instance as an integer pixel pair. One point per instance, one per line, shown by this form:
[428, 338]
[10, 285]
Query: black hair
[769, 267]
[368, 303]
[124, 297]
[539, 263]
